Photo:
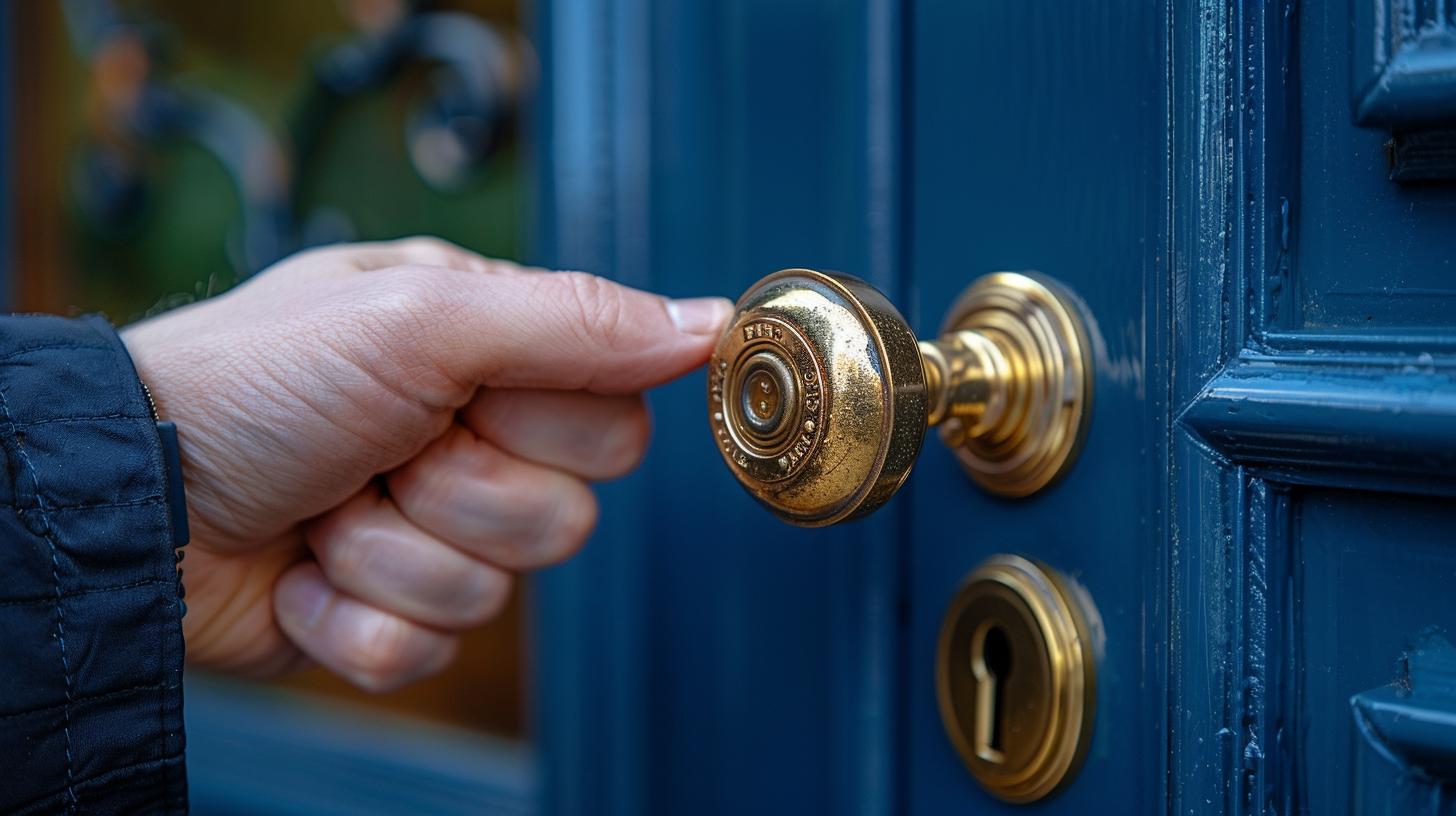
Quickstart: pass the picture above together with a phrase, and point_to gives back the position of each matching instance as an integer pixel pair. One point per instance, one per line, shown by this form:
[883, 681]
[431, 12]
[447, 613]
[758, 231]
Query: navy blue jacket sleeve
[90, 595]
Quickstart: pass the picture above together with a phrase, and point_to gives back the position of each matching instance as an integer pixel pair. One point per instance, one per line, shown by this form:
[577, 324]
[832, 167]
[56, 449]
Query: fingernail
[302, 597]
[705, 315]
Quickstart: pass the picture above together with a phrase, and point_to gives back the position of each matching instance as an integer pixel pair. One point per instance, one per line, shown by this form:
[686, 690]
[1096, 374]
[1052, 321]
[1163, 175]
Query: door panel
[1370, 254]
[1301, 574]
[1262, 511]
[1039, 143]
[1375, 574]
[700, 656]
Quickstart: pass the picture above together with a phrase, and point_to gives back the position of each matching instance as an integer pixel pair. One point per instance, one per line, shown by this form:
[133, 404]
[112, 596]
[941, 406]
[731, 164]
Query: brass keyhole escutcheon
[1016, 678]
[819, 394]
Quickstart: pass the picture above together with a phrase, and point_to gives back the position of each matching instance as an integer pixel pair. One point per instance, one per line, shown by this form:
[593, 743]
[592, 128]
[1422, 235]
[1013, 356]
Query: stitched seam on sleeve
[97, 418]
[87, 698]
[50, 538]
[107, 776]
[162, 722]
[108, 505]
[79, 592]
[21, 352]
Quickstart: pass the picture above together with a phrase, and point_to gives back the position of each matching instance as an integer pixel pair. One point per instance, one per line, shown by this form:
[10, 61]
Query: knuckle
[394, 306]
[571, 525]
[441, 482]
[599, 309]
[341, 544]
[429, 249]
[483, 596]
[627, 444]
[416, 290]
[345, 557]
[338, 542]
[384, 653]
[424, 243]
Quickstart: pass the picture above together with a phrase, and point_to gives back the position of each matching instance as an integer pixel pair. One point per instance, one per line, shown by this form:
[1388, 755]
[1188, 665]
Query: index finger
[568, 330]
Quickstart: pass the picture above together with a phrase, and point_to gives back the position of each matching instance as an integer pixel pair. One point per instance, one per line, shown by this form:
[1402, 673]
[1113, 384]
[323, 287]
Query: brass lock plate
[1016, 679]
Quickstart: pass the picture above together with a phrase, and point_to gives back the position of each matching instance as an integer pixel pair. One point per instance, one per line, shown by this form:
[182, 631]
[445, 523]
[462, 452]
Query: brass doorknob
[819, 394]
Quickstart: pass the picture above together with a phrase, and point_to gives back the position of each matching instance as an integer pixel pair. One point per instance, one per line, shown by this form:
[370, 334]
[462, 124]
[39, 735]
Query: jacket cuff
[90, 593]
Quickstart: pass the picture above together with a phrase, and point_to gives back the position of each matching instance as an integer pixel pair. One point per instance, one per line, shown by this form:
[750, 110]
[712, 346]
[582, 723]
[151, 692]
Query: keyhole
[991, 666]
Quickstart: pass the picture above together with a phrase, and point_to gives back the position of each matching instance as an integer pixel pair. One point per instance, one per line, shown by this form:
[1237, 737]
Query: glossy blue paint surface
[701, 657]
[1262, 512]
[1334, 420]
[1038, 142]
[252, 750]
[1376, 624]
[1404, 63]
[1370, 254]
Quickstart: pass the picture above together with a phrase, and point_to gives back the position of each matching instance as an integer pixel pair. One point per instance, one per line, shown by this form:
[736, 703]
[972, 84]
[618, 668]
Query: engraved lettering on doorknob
[765, 400]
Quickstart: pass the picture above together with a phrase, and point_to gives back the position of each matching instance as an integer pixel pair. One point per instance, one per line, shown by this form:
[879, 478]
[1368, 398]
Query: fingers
[571, 330]
[496, 323]
[372, 648]
[373, 607]
[594, 436]
[521, 327]
[475, 496]
[370, 551]
[560, 330]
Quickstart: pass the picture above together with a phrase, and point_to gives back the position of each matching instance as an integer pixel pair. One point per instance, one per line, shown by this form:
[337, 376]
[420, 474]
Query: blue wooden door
[1255, 203]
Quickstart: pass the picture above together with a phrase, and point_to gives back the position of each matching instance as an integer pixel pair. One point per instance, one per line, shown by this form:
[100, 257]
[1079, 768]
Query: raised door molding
[1405, 64]
[1341, 421]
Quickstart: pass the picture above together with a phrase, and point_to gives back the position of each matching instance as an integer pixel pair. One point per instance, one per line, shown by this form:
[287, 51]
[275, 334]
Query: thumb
[572, 330]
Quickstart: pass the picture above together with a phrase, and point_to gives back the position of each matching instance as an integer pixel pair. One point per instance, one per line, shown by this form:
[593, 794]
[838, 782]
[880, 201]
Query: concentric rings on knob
[817, 397]
[768, 394]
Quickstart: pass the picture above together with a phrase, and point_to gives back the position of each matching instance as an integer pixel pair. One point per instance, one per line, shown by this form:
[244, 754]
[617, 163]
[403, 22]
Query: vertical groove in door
[880, 716]
[905, 294]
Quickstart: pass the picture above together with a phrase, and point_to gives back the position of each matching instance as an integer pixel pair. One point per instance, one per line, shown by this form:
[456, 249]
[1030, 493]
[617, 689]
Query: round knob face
[816, 396]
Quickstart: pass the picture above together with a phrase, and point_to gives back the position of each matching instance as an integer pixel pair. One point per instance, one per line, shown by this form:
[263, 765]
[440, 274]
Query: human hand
[375, 436]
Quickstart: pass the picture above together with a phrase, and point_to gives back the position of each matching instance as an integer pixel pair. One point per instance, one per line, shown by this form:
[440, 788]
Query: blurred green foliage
[173, 242]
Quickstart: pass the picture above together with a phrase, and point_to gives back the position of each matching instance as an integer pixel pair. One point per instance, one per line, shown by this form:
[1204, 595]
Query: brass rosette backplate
[1033, 425]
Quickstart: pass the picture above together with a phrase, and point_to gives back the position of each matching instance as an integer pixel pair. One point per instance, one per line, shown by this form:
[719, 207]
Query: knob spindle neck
[967, 376]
